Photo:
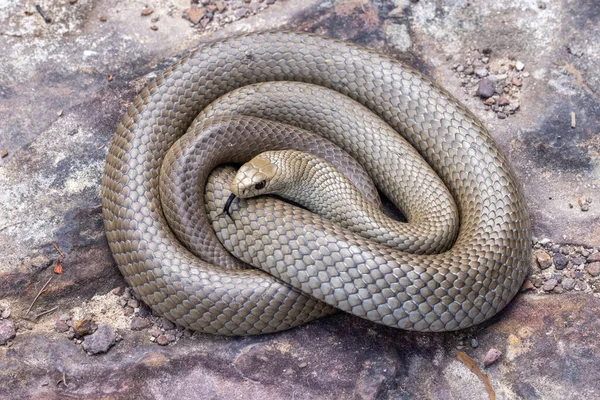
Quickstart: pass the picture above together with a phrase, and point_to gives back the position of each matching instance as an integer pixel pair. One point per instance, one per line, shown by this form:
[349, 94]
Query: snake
[308, 266]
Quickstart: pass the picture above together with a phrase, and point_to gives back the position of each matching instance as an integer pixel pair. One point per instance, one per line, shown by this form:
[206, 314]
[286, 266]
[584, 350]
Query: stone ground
[529, 69]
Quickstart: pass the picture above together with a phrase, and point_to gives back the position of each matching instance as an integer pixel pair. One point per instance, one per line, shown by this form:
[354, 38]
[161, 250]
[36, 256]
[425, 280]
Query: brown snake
[317, 265]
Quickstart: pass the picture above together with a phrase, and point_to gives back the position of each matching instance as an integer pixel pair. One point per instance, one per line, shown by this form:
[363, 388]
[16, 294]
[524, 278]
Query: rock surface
[65, 84]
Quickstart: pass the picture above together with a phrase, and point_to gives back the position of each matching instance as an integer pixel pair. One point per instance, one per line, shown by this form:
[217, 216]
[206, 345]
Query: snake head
[256, 177]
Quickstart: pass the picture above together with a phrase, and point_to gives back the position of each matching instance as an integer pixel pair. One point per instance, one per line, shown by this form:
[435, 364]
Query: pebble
[578, 260]
[84, 326]
[137, 323]
[502, 115]
[128, 310]
[549, 285]
[482, 72]
[474, 343]
[485, 88]
[240, 13]
[517, 82]
[593, 269]
[560, 261]
[544, 260]
[7, 331]
[544, 241]
[65, 317]
[101, 340]
[460, 68]
[61, 326]
[166, 324]
[489, 101]
[537, 281]
[170, 337]
[133, 303]
[568, 283]
[491, 357]
[5, 313]
[503, 101]
[155, 332]
[594, 257]
[469, 70]
[162, 340]
[519, 66]
[485, 60]
[117, 291]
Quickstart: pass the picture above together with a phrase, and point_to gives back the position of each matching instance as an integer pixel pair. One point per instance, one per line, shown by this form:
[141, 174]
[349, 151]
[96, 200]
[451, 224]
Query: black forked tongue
[228, 204]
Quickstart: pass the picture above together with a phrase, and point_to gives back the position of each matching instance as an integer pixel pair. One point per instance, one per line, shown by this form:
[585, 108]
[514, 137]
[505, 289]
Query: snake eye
[260, 185]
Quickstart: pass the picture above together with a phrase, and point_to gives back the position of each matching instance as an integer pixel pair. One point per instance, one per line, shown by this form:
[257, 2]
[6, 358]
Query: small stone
[126, 294]
[485, 88]
[128, 310]
[460, 68]
[545, 241]
[269, 2]
[155, 332]
[578, 260]
[147, 11]
[594, 257]
[568, 283]
[489, 101]
[503, 101]
[133, 303]
[101, 340]
[154, 27]
[482, 72]
[71, 334]
[519, 66]
[3, 153]
[474, 343]
[485, 60]
[194, 14]
[537, 281]
[7, 331]
[137, 323]
[549, 285]
[61, 326]
[241, 13]
[541, 5]
[527, 285]
[501, 115]
[72, 1]
[491, 357]
[593, 269]
[166, 324]
[103, 18]
[517, 82]
[469, 70]
[302, 365]
[544, 260]
[221, 6]
[5, 313]
[560, 261]
[154, 19]
[117, 291]
[170, 337]
[84, 327]
[162, 340]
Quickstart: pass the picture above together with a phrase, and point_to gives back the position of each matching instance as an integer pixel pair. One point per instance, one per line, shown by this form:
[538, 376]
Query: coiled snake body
[317, 265]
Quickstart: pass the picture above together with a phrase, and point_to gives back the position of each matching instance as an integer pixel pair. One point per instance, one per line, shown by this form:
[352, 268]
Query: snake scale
[313, 266]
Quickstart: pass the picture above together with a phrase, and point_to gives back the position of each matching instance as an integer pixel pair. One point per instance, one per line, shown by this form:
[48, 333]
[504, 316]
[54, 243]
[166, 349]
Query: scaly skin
[461, 287]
